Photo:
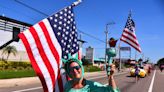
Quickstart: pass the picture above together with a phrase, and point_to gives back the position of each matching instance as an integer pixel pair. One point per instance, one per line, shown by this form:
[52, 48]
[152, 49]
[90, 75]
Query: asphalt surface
[152, 83]
[159, 82]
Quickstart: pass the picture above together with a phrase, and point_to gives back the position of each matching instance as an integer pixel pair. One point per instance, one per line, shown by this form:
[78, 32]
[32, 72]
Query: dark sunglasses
[75, 67]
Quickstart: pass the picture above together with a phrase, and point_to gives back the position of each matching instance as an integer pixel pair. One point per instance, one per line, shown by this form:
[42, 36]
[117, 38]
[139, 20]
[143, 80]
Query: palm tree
[8, 50]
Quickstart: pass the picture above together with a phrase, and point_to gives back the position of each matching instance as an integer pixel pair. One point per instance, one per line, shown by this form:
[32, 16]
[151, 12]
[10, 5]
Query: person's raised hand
[112, 69]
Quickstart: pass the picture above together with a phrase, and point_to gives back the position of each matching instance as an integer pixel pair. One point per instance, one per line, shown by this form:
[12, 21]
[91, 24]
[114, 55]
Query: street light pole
[106, 43]
[106, 40]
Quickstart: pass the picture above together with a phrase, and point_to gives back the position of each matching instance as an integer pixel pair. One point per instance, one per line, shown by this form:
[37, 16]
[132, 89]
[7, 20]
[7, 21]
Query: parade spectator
[161, 67]
[137, 70]
[149, 70]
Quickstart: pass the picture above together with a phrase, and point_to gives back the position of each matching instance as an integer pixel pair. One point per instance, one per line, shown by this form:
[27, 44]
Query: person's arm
[111, 78]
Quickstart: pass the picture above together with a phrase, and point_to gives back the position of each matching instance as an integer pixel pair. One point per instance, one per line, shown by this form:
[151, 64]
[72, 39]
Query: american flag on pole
[47, 42]
[129, 36]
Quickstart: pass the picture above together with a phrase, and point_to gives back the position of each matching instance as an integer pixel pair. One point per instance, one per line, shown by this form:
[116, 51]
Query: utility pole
[106, 40]
[106, 43]
[143, 56]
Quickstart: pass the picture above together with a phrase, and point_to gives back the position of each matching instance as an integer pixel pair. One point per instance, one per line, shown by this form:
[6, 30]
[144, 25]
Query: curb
[31, 80]
[18, 81]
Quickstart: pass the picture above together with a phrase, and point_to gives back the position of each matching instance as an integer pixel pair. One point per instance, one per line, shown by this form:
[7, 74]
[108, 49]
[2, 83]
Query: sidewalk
[32, 80]
[18, 81]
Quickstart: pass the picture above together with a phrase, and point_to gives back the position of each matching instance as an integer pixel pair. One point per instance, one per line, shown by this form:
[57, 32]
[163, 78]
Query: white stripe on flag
[58, 47]
[128, 33]
[53, 37]
[127, 30]
[131, 43]
[46, 49]
[127, 36]
[39, 60]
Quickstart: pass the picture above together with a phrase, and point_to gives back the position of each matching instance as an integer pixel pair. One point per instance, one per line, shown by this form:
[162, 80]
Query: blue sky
[92, 16]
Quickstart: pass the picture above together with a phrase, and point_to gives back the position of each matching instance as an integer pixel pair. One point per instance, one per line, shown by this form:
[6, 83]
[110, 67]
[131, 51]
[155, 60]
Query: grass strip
[7, 74]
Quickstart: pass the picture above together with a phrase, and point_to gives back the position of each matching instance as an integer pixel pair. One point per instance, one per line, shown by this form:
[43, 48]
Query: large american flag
[129, 36]
[47, 42]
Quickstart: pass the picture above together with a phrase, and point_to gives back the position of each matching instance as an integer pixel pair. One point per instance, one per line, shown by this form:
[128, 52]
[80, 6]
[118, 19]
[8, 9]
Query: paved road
[159, 82]
[152, 83]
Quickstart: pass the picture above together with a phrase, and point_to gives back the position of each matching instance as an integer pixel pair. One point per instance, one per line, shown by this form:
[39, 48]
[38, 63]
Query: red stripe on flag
[53, 49]
[80, 54]
[33, 62]
[60, 81]
[129, 33]
[43, 55]
[68, 78]
[55, 53]
[132, 40]
[131, 45]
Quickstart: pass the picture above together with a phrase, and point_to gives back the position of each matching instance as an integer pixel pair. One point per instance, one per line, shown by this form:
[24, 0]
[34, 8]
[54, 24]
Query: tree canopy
[160, 61]
[8, 50]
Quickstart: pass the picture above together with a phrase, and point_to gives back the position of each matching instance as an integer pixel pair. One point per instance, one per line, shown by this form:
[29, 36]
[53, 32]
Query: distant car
[142, 72]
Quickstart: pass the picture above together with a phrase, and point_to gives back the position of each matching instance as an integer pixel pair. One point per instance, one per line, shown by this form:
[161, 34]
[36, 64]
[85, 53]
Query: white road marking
[29, 89]
[152, 82]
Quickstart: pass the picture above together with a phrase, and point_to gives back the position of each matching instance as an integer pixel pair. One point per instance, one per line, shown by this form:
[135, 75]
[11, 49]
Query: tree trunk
[8, 56]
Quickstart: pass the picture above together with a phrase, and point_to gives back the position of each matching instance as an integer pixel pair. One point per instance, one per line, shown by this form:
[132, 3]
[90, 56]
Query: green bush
[91, 68]
[86, 62]
[1, 68]
[28, 68]
[15, 65]
[20, 68]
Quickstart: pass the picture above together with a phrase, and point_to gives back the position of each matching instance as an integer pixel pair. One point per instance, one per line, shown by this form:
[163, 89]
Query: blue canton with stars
[130, 24]
[64, 27]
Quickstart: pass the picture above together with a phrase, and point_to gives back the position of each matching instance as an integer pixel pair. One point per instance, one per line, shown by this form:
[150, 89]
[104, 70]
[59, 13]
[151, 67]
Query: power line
[47, 15]
[95, 48]
[12, 10]
[31, 7]
[91, 36]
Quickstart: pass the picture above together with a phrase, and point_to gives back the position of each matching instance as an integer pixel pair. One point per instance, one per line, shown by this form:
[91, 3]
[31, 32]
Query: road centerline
[152, 82]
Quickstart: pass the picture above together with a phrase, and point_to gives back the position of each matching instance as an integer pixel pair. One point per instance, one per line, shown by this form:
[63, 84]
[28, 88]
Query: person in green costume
[74, 69]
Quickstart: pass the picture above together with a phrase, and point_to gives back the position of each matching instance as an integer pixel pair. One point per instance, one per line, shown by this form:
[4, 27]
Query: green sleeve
[112, 90]
[97, 87]
[90, 87]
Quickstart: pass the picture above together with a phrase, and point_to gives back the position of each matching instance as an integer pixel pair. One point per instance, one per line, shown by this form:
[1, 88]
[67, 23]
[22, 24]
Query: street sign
[16, 31]
[90, 54]
[125, 48]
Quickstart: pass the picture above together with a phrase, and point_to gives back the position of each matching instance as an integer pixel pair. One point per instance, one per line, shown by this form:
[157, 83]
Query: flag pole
[136, 55]
[130, 12]
[130, 15]
[73, 4]
[77, 2]
[119, 56]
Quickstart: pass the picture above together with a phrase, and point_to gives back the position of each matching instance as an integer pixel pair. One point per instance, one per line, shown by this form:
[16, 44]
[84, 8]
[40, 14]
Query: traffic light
[16, 31]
